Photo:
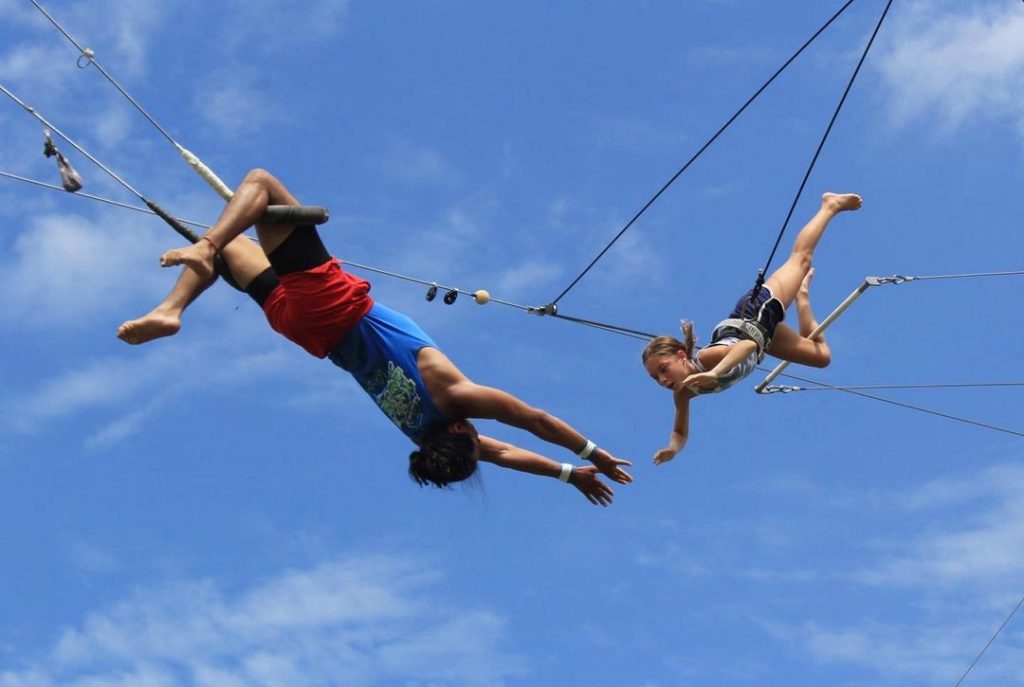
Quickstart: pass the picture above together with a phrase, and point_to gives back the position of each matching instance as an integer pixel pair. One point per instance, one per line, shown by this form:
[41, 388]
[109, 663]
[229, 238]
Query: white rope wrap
[206, 173]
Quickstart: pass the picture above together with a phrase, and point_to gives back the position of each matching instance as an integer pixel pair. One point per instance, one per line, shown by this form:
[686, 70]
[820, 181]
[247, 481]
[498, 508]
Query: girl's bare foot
[838, 202]
[197, 257]
[155, 325]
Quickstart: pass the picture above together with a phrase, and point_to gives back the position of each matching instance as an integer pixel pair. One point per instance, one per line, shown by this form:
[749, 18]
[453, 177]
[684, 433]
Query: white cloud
[375, 620]
[417, 164]
[236, 102]
[529, 277]
[984, 548]
[91, 560]
[260, 22]
[897, 651]
[66, 269]
[111, 127]
[39, 66]
[962, 66]
[950, 585]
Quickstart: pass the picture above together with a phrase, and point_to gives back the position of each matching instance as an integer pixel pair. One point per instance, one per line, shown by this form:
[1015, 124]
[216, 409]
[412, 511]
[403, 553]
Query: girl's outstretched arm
[584, 478]
[680, 428]
[736, 354]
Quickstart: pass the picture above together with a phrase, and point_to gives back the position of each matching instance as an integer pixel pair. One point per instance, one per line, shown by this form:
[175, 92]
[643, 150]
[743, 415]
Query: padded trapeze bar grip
[295, 214]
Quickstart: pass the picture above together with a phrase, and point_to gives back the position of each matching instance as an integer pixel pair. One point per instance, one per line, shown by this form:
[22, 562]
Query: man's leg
[245, 260]
[785, 281]
[257, 190]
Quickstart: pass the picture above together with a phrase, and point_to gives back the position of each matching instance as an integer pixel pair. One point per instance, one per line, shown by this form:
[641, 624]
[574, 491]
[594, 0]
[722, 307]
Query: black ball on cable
[450, 297]
[432, 292]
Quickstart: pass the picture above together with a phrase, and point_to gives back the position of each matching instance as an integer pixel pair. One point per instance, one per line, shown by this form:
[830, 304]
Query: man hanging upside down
[309, 299]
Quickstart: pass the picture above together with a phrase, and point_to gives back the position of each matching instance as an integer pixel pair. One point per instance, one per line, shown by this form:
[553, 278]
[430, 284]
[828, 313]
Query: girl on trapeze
[753, 328]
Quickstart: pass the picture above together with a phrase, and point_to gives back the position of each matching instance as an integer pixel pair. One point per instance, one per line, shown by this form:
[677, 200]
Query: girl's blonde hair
[670, 345]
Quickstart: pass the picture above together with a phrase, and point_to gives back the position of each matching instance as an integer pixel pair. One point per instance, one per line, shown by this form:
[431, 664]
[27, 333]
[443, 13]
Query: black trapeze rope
[908, 406]
[701, 150]
[989, 643]
[835, 115]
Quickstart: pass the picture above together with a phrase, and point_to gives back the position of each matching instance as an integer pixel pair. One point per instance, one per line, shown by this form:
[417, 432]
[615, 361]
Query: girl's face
[668, 370]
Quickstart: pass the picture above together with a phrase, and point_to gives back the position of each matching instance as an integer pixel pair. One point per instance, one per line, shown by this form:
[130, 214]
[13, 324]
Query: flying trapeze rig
[72, 182]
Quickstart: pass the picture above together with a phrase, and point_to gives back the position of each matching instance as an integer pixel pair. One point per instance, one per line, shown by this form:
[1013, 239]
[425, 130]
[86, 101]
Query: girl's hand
[611, 466]
[586, 480]
[701, 380]
[664, 455]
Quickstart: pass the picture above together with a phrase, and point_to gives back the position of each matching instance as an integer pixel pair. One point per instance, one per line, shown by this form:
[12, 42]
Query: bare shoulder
[432, 361]
[442, 378]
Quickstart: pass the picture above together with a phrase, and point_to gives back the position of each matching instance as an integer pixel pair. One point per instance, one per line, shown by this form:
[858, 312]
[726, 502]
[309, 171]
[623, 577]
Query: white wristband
[587, 450]
[566, 472]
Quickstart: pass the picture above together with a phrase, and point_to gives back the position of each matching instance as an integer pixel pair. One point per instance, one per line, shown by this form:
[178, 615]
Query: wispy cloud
[140, 383]
[260, 22]
[531, 277]
[417, 164]
[67, 268]
[982, 548]
[361, 621]
[955, 65]
[236, 102]
[899, 651]
[961, 575]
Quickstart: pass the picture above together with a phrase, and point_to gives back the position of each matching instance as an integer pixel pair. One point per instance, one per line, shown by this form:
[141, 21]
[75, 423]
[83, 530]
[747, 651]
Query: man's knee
[258, 176]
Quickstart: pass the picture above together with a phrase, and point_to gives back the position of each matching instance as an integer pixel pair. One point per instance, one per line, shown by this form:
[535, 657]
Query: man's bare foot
[155, 325]
[197, 257]
[838, 202]
[804, 292]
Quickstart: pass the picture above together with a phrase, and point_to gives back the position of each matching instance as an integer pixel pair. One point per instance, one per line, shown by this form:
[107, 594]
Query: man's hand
[701, 380]
[664, 455]
[586, 480]
[609, 465]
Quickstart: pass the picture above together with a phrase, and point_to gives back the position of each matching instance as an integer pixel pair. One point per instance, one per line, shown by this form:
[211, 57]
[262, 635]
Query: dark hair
[443, 457]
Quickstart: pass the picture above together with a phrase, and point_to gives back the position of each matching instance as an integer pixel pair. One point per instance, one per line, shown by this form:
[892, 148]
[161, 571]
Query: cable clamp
[894, 279]
[781, 389]
[549, 309]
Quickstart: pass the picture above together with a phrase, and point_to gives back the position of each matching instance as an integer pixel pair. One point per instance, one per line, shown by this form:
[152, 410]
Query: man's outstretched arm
[477, 401]
[584, 478]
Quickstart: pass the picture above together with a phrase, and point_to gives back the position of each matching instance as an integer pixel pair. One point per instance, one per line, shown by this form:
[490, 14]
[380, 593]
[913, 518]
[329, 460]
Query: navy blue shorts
[765, 309]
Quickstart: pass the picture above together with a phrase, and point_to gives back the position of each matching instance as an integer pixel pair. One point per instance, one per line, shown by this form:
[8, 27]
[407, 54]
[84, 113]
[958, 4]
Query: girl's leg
[257, 190]
[245, 260]
[785, 281]
[800, 348]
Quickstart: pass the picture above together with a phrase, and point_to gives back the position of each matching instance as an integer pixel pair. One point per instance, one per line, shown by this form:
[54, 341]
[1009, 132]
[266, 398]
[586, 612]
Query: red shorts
[318, 307]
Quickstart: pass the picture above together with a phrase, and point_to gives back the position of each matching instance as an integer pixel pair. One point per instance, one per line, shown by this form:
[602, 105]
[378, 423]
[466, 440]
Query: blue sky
[221, 509]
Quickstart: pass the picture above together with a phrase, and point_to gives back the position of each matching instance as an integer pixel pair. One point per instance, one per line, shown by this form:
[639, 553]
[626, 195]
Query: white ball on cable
[481, 297]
